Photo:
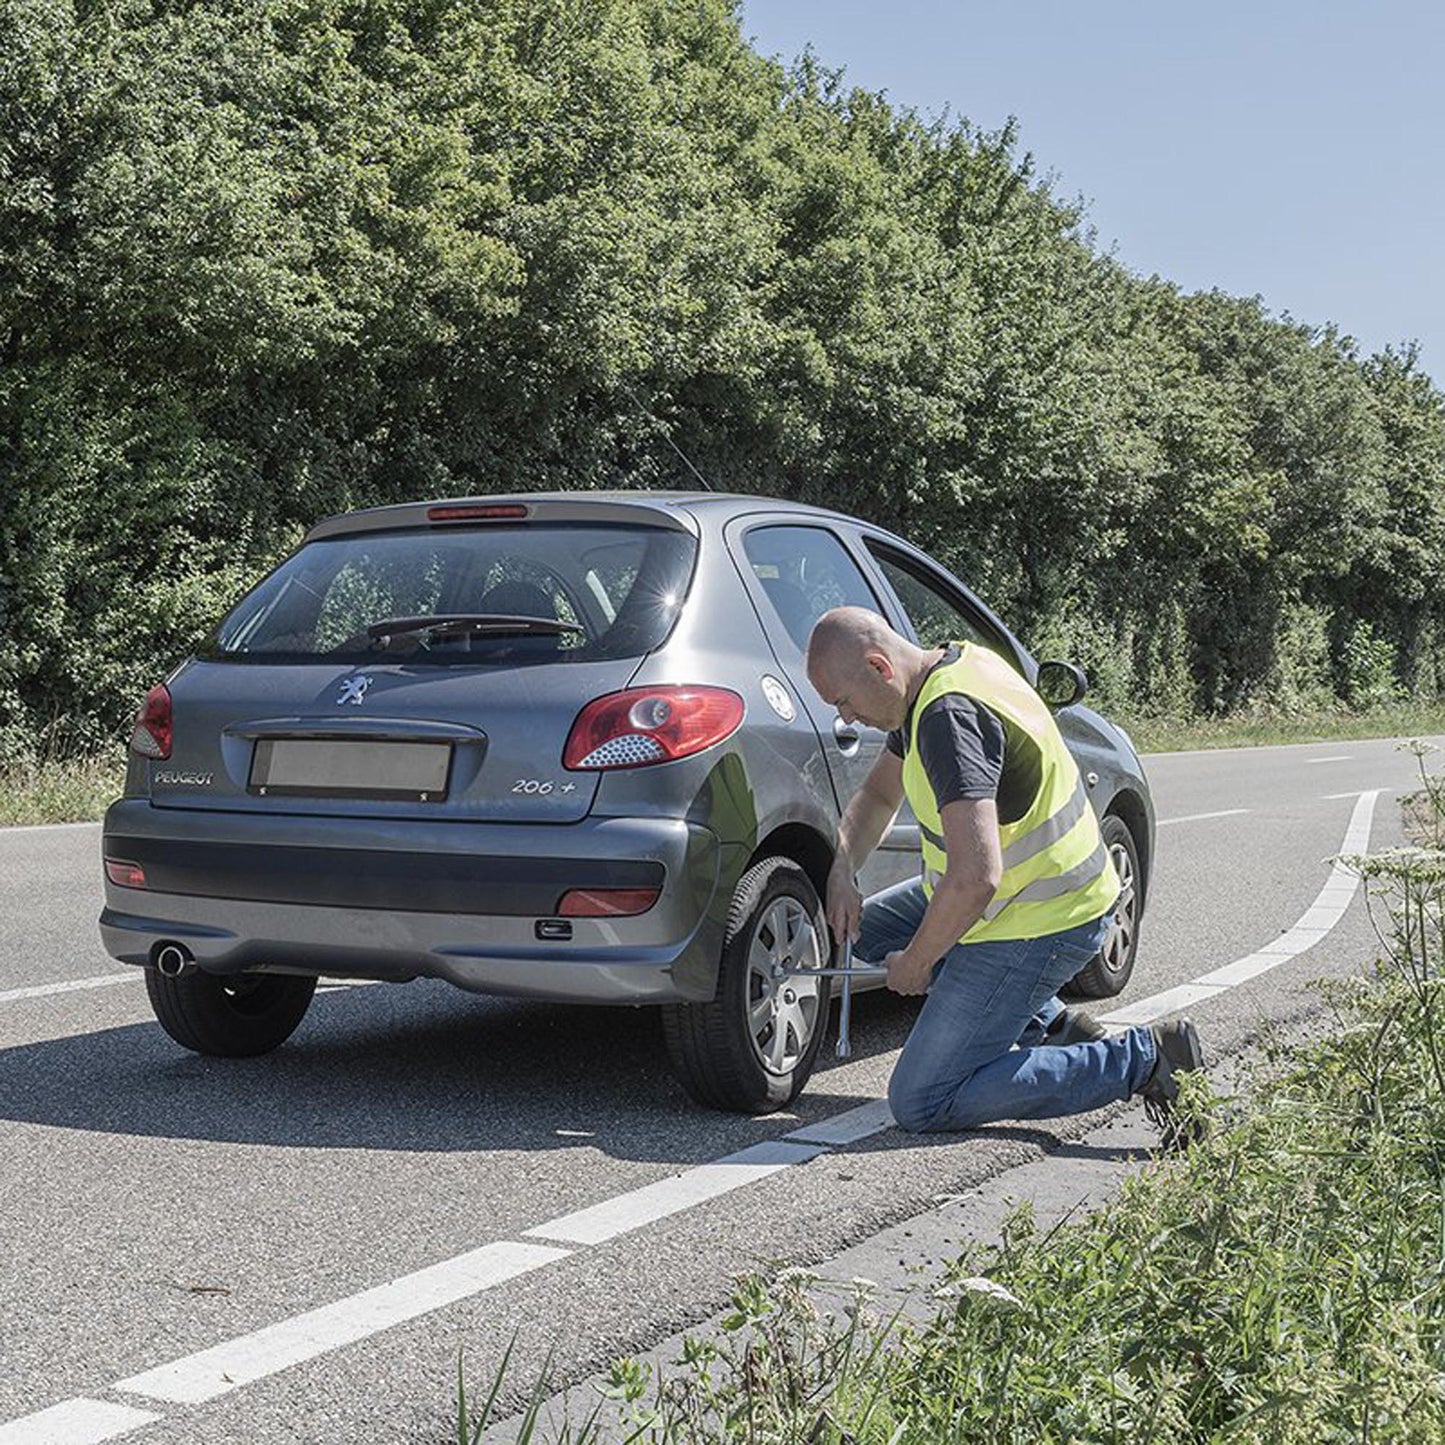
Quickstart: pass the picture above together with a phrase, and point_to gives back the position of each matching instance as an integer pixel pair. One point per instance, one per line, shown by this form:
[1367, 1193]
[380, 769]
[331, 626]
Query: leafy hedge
[262, 260]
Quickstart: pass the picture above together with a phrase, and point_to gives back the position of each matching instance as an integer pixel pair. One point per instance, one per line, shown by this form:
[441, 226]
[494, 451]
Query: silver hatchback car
[552, 746]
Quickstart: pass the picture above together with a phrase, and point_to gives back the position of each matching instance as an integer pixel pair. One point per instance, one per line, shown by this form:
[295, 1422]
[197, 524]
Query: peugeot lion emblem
[353, 690]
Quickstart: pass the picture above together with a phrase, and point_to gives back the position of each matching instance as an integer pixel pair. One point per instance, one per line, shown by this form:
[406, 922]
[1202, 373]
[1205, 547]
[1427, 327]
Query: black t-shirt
[969, 751]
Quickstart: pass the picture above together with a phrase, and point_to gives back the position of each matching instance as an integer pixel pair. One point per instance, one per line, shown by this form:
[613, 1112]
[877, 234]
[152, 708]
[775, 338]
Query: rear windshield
[616, 590]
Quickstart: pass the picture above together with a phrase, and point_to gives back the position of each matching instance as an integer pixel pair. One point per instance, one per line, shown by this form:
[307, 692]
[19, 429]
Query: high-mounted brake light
[474, 514]
[151, 736]
[650, 725]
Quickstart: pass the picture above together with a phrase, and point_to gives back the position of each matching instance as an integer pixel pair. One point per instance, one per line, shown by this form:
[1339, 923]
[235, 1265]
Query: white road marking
[224, 1367]
[1200, 817]
[626, 1212]
[1336, 758]
[74, 985]
[1316, 921]
[75, 1422]
[847, 1127]
[1354, 793]
[104, 980]
[9, 832]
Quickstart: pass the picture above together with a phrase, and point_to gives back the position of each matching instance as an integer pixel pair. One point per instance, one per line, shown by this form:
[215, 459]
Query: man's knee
[913, 1110]
[927, 1111]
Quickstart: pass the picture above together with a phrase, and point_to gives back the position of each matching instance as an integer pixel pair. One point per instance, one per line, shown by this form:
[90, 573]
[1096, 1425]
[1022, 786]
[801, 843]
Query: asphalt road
[314, 1236]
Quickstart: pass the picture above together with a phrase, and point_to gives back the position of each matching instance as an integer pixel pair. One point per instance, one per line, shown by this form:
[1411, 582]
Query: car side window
[804, 572]
[935, 618]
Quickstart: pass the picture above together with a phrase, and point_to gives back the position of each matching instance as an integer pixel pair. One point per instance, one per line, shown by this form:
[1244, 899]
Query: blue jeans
[976, 1053]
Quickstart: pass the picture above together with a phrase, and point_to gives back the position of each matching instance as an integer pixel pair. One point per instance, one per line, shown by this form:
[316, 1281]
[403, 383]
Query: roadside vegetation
[261, 263]
[1267, 727]
[1279, 1282]
[65, 789]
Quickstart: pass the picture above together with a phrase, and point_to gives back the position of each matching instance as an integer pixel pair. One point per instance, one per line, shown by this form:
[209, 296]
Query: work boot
[1176, 1051]
[1074, 1026]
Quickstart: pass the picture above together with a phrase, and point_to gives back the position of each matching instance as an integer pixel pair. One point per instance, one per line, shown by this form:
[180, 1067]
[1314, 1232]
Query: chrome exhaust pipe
[174, 960]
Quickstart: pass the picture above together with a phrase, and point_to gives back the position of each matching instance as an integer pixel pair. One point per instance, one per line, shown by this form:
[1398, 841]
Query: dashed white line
[848, 1127]
[10, 832]
[75, 1422]
[626, 1212]
[1335, 758]
[1200, 817]
[225, 1367]
[74, 985]
[1316, 921]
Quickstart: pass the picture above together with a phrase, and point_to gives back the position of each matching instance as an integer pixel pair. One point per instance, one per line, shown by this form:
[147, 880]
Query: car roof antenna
[707, 486]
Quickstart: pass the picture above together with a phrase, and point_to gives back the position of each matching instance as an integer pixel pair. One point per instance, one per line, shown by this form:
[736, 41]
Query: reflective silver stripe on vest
[1079, 876]
[1047, 832]
[933, 837]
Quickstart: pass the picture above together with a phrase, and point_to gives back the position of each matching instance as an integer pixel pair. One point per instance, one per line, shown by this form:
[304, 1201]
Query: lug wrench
[847, 973]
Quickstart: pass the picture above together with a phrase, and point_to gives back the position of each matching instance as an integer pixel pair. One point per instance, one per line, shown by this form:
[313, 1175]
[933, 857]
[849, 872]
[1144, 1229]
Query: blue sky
[1285, 149]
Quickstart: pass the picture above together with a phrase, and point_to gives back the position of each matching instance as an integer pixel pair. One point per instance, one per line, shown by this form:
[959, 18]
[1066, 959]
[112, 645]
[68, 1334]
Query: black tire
[229, 1018]
[1110, 968]
[744, 1051]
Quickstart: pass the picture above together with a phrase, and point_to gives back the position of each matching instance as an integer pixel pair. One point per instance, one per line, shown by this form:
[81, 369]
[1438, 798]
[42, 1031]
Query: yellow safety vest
[1057, 873]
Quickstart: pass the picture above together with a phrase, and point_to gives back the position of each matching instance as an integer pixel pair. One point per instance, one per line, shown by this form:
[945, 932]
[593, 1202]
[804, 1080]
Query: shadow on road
[418, 1068]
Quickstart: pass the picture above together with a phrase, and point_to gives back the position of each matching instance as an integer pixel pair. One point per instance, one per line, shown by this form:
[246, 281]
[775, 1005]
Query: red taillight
[650, 725]
[125, 875]
[151, 737]
[606, 902]
[493, 513]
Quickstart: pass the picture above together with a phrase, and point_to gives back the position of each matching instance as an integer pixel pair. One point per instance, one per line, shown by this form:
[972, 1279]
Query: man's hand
[845, 902]
[905, 974]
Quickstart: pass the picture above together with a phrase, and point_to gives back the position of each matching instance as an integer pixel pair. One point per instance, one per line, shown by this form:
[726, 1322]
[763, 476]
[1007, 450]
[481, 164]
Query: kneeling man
[1016, 894]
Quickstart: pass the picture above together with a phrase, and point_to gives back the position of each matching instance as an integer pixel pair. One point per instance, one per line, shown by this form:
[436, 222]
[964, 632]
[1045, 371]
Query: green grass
[59, 790]
[1268, 729]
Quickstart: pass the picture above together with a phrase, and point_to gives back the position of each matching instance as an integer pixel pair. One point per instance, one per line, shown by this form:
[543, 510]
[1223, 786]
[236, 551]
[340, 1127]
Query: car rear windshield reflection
[611, 591]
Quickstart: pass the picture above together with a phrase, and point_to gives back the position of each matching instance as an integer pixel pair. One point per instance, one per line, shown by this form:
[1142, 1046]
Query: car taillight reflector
[125, 875]
[606, 902]
[474, 514]
[650, 725]
[151, 736]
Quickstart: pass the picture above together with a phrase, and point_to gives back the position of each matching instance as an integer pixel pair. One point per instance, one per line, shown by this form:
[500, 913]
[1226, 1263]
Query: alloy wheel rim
[782, 1009]
[1119, 941]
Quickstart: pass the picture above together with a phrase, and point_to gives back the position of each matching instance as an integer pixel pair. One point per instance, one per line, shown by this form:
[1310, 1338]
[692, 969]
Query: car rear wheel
[752, 1048]
[1110, 968]
[229, 1018]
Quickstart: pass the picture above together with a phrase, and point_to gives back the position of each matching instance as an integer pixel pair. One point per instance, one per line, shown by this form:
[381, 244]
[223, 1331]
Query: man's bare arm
[870, 812]
[975, 865]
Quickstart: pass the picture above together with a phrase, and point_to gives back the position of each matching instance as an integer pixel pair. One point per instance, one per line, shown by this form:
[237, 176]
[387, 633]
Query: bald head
[861, 666]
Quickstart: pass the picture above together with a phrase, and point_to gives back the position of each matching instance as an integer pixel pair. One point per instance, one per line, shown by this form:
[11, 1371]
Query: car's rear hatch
[300, 704]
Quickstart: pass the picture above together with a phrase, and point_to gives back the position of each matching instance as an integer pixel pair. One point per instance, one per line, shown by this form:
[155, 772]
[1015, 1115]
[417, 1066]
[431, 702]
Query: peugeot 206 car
[550, 746]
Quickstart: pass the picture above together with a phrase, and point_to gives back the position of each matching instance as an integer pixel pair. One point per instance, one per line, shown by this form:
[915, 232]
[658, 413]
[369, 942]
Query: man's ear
[881, 663]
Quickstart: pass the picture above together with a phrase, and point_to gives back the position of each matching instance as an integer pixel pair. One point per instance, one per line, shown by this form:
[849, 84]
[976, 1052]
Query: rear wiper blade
[496, 623]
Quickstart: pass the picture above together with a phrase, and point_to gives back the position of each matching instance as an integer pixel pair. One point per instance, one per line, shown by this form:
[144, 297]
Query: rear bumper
[400, 900]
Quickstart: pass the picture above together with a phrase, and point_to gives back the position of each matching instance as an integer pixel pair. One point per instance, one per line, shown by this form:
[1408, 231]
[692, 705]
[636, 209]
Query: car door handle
[846, 737]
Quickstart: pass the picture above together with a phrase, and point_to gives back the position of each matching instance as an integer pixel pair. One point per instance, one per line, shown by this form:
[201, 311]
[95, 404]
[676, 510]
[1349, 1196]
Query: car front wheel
[230, 1018]
[1107, 973]
[752, 1048]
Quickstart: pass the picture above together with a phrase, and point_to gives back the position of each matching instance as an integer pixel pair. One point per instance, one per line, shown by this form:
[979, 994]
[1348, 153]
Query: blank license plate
[351, 768]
